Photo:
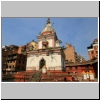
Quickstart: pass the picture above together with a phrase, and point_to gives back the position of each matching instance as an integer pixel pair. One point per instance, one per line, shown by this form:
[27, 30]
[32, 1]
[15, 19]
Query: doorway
[42, 63]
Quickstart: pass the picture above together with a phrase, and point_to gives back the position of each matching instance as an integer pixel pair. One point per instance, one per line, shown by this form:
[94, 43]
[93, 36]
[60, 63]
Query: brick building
[78, 68]
[93, 49]
[14, 57]
[5, 51]
[13, 60]
[16, 62]
[79, 58]
[71, 55]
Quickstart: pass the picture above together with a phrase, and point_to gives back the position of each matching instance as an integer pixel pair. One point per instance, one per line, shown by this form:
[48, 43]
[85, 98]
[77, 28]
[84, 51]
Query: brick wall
[70, 53]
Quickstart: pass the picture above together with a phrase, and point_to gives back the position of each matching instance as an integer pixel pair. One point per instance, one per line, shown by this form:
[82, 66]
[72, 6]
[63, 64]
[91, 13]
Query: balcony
[12, 58]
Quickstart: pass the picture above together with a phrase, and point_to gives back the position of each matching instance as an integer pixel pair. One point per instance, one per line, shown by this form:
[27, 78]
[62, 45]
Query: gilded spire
[48, 21]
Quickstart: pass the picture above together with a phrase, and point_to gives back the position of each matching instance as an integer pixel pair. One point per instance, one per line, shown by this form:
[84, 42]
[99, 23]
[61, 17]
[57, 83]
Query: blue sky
[80, 32]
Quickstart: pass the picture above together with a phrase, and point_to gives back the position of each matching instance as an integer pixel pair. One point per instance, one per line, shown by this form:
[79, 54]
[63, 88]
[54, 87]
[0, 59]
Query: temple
[48, 53]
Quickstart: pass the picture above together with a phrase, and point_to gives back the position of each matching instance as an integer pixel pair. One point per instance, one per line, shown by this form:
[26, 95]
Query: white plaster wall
[51, 62]
[34, 61]
[40, 44]
[56, 60]
[27, 62]
[54, 43]
[57, 44]
[50, 42]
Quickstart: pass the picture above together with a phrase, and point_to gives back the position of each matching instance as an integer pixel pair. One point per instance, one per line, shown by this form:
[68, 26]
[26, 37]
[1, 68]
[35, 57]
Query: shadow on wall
[64, 69]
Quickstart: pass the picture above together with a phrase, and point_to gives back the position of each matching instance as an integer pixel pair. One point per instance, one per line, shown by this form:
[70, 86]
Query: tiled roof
[83, 63]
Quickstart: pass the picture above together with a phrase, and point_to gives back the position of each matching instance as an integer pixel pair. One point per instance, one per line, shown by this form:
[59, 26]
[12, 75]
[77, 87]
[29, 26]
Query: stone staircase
[36, 77]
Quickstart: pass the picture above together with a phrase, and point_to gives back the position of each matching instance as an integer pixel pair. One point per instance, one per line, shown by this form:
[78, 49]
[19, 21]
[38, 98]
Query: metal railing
[10, 58]
[39, 79]
[40, 76]
[14, 57]
[31, 76]
[34, 71]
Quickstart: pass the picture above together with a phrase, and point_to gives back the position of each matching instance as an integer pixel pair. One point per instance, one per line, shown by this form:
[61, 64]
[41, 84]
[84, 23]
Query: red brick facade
[93, 49]
[78, 68]
[70, 53]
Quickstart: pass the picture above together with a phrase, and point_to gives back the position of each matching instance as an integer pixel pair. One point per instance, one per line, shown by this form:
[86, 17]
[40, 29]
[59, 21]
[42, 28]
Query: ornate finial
[48, 21]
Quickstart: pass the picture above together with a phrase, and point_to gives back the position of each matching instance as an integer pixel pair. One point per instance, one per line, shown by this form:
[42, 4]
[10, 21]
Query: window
[96, 55]
[76, 67]
[18, 67]
[96, 52]
[92, 52]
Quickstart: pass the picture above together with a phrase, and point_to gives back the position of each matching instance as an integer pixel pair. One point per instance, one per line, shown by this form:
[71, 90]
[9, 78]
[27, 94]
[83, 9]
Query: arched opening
[42, 63]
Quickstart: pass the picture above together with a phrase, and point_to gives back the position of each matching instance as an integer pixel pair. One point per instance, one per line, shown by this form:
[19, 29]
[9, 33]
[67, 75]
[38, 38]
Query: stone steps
[36, 77]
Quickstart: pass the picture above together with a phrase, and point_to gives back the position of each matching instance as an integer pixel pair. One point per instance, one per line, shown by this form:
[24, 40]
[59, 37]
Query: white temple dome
[48, 29]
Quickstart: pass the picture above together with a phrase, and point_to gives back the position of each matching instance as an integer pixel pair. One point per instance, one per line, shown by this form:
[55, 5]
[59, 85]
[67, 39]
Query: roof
[89, 47]
[95, 41]
[15, 46]
[83, 63]
[48, 28]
